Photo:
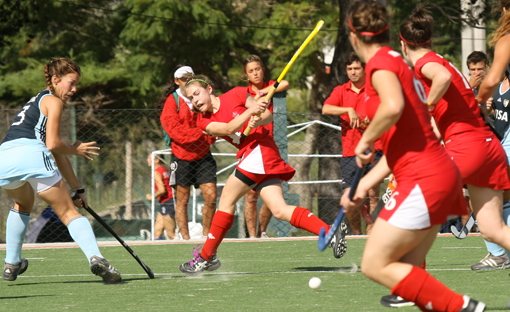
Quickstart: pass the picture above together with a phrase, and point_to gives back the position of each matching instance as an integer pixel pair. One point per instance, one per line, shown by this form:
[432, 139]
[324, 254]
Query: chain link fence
[118, 180]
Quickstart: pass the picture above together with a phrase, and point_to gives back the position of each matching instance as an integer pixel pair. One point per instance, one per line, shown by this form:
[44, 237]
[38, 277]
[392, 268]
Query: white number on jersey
[22, 115]
[420, 90]
[501, 115]
[236, 138]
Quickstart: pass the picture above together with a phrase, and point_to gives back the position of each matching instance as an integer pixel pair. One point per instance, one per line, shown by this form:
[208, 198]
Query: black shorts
[348, 167]
[187, 173]
[168, 208]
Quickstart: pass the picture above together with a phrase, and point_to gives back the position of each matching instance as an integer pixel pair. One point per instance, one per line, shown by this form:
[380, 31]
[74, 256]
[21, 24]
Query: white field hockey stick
[465, 229]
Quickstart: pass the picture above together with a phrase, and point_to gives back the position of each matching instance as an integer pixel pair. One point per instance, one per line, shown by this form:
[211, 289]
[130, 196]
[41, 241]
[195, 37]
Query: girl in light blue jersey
[26, 153]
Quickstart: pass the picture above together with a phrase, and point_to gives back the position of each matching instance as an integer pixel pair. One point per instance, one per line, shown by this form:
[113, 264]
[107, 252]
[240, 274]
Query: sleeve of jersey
[335, 98]
[179, 132]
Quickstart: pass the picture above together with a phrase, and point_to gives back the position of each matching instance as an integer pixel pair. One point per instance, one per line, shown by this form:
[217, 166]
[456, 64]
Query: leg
[488, 208]
[158, 226]
[250, 212]
[392, 258]
[354, 218]
[17, 222]
[209, 193]
[181, 209]
[373, 200]
[169, 223]
[264, 218]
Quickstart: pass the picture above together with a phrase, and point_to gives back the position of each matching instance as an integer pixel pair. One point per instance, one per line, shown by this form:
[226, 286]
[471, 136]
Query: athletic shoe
[491, 262]
[339, 243]
[12, 271]
[199, 264]
[471, 305]
[392, 301]
[263, 235]
[101, 267]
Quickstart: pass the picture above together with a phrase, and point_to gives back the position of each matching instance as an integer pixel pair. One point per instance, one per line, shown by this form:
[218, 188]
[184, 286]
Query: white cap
[181, 71]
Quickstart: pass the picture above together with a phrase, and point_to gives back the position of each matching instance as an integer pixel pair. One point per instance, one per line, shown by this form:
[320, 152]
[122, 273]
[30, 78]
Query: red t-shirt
[165, 174]
[457, 111]
[344, 96]
[232, 104]
[410, 143]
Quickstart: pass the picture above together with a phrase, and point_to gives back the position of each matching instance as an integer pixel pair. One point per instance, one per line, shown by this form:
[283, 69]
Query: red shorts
[481, 160]
[262, 157]
[426, 197]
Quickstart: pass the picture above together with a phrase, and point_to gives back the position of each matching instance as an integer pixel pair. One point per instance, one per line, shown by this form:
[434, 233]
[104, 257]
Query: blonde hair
[503, 24]
[59, 67]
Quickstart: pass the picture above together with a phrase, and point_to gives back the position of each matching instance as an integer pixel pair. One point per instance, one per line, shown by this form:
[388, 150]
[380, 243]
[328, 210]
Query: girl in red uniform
[429, 184]
[471, 144]
[254, 70]
[260, 168]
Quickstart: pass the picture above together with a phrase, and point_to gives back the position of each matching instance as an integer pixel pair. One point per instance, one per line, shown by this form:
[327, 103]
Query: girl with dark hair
[429, 187]
[473, 147]
[33, 137]
[260, 167]
[192, 161]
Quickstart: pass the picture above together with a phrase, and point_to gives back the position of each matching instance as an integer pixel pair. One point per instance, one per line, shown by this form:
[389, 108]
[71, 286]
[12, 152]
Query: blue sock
[17, 225]
[82, 233]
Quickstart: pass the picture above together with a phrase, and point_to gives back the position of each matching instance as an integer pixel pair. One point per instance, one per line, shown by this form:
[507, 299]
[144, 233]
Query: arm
[329, 109]
[179, 132]
[434, 128]
[233, 126]
[52, 107]
[161, 186]
[441, 79]
[388, 87]
[282, 86]
[501, 60]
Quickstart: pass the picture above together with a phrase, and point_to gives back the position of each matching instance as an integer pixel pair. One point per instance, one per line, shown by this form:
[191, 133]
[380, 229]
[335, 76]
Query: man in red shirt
[344, 102]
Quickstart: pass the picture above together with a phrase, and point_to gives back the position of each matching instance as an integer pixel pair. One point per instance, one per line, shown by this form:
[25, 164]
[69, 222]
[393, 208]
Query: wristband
[75, 193]
[431, 104]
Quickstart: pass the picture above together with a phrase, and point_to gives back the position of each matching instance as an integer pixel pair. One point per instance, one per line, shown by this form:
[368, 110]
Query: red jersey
[165, 174]
[344, 96]
[457, 111]
[189, 142]
[411, 138]
[232, 104]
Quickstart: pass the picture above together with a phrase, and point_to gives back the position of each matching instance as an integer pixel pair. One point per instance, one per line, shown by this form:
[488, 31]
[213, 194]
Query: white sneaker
[263, 235]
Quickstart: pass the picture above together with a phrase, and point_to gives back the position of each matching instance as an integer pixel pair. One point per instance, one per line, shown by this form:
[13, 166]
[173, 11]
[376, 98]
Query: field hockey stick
[271, 92]
[75, 196]
[325, 239]
[370, 217]
[465, 229]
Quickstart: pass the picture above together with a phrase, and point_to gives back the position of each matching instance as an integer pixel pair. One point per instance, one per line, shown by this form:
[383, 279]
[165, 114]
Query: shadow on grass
[124, 281]
[327, 269]
[25, 297]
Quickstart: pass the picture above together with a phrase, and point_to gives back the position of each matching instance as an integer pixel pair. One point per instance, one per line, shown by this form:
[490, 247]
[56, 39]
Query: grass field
[264, 275]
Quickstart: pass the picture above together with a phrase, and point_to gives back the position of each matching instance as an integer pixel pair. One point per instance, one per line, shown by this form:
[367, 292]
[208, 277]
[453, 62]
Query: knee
[369, 269]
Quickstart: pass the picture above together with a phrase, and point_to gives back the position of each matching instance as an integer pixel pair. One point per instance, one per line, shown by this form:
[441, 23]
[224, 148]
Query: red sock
[427, 293]
[221, 223]
[424, 264]
[303, 218]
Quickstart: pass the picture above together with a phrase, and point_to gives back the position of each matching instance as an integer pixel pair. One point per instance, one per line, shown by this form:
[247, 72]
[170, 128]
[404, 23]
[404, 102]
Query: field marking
[462, 247]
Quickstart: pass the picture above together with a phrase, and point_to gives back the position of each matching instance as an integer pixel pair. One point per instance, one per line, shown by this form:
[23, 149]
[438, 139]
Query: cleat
[199, 264]
[471, 305]
[12, 271]
[101, 267]
[339, 243]
[263, 235]
[491, 262]
[392, 301]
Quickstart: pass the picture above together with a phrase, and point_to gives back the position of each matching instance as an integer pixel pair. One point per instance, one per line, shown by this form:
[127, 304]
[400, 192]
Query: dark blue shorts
[348, 167]
[168, 208]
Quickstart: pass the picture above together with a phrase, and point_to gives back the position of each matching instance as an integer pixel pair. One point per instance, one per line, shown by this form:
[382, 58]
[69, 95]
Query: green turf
[254, 276]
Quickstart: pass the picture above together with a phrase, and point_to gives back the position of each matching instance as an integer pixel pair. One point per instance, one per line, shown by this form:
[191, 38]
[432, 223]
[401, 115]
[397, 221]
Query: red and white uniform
[189, 142]
[344, 96]
[165, 174]
[258, 151]
[429, 187]
[473, 147]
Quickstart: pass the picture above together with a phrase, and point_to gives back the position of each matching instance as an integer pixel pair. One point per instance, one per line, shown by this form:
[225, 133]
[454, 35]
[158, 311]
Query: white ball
[315, 283]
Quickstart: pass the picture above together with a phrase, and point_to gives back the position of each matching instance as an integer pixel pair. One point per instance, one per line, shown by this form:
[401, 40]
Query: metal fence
[118, 180]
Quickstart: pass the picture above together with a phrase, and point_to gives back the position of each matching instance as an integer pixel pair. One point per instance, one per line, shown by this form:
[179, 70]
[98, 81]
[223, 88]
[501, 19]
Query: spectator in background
[478, 65]
[192, 161]
[254, 70]
[344, 102]
[165, 219]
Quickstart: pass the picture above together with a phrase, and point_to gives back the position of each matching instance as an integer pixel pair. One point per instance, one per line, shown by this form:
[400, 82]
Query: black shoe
[12, 271]
[101, 267]
[392, 301]
[472, 305]
[339, 243]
